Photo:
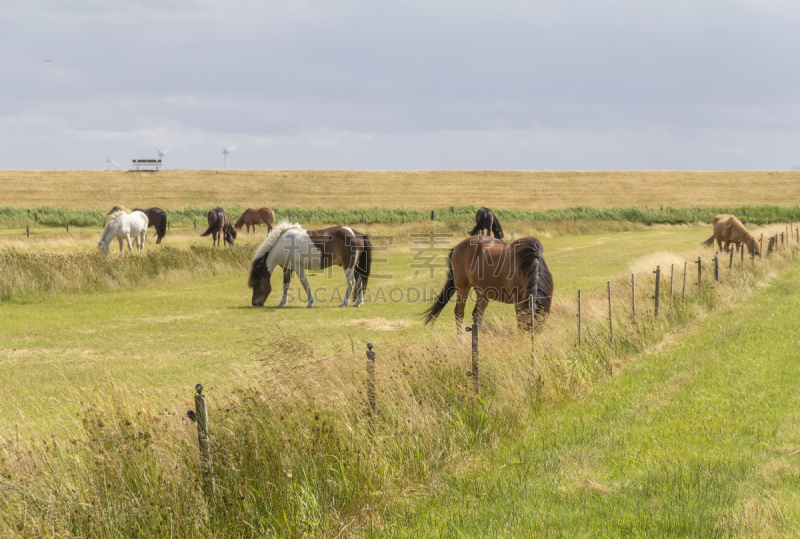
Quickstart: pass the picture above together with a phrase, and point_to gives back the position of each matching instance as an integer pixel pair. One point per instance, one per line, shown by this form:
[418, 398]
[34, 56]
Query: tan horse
[251, 217]
[497, 271]
[118, 208]
[730, 230]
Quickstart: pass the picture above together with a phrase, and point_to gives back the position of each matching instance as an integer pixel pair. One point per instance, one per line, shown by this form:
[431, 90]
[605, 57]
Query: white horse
[123, 225]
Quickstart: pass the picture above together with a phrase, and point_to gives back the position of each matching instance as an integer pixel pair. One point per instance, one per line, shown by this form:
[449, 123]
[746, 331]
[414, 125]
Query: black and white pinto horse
[485, 220]
[295, 249]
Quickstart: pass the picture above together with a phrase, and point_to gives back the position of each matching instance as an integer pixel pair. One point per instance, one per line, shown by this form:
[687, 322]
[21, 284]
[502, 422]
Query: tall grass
[16, 217]
[295, 452]
[24, 274]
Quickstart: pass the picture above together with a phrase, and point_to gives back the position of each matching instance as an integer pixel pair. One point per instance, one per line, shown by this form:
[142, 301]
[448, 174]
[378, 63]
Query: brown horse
[295, 249]
[730, 230]
[220, 226]
[157, 219]
[485, 220]
[498, 271]
[252, 217]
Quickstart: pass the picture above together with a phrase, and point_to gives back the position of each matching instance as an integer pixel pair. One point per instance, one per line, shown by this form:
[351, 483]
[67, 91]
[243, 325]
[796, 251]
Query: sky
[401, 85]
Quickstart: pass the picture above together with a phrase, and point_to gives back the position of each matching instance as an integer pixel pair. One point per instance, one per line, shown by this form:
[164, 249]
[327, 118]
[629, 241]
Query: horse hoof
[309, 305]
[343, 304]
[356, 305]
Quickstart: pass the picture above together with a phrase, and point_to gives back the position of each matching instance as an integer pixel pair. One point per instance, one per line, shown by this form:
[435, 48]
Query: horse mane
[527, 251]
[115, 215]
[273, 236]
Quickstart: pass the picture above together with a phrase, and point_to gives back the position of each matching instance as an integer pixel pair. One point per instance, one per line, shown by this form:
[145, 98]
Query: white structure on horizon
[110, 161]
[226, 151]
[162, 154]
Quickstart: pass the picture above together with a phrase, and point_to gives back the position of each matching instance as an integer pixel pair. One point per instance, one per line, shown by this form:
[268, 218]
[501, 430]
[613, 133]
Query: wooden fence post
[683, 292]
[753, 252]
[67, 229]
[761, 244]
[730, 264]
[580, 341]
[699, 273]
[28, 231]
[35, 217]
[610, 323]
[203, 436]
[633, 296]
[716, 266]
[431, 215]
[657, 297]
[742, 252]
[371, 385]
[475, 372]
[195, 224]
[404, 219]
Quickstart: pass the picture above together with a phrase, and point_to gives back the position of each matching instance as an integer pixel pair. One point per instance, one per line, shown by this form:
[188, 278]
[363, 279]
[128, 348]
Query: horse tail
[161, 227]
[445, 295]
[212, 223]
[475, 230]
[709, 241]
[364, 265]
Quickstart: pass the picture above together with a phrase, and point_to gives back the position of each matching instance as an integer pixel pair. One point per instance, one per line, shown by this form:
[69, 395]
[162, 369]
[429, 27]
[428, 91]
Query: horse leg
[287, 277]
[301, 273]
[120, 245]
[480, 305]
[461, 303]
[349, 274]
[130, 246]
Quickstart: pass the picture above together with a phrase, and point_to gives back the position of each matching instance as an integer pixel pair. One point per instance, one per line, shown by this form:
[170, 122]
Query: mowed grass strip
[699, 440]
[417, 190]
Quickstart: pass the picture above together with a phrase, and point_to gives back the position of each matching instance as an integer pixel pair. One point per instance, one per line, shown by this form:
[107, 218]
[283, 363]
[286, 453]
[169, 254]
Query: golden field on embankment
[425, 189]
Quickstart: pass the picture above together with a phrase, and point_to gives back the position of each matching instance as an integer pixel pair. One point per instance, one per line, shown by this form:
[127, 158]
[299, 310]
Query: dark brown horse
[251, 217]
[158, 220]
[485, 220]
[497, 271]
[220, 226]
[295, 249]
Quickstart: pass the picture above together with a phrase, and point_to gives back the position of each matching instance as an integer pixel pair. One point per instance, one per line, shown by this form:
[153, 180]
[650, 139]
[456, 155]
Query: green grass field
[167, 336]
[701, 439]
[684, 427]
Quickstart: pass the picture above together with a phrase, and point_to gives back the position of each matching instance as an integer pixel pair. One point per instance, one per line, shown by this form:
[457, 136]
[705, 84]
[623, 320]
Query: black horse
[485, 220]
[157, 219]
[220, 226]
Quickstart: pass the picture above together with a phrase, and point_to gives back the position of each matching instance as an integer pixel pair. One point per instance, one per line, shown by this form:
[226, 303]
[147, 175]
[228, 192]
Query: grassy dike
[700, 439]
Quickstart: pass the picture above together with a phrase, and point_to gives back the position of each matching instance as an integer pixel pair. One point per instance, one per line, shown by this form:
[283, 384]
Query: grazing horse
[124, 225]
[158, 220]
[485, 220]
[220, 226]
[498, 271]
[251, 217]
[729, 229]
[296, 249]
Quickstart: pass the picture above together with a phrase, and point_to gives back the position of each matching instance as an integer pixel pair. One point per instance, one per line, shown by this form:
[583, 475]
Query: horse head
[230, 234]
[259, 281]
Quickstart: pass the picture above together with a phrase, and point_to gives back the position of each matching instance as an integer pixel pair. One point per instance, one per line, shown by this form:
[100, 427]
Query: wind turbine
[109, 161]
[226, 151]
[162, 154]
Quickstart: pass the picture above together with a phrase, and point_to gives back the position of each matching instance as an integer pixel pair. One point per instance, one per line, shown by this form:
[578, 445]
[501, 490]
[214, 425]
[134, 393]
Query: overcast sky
[442, 84]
